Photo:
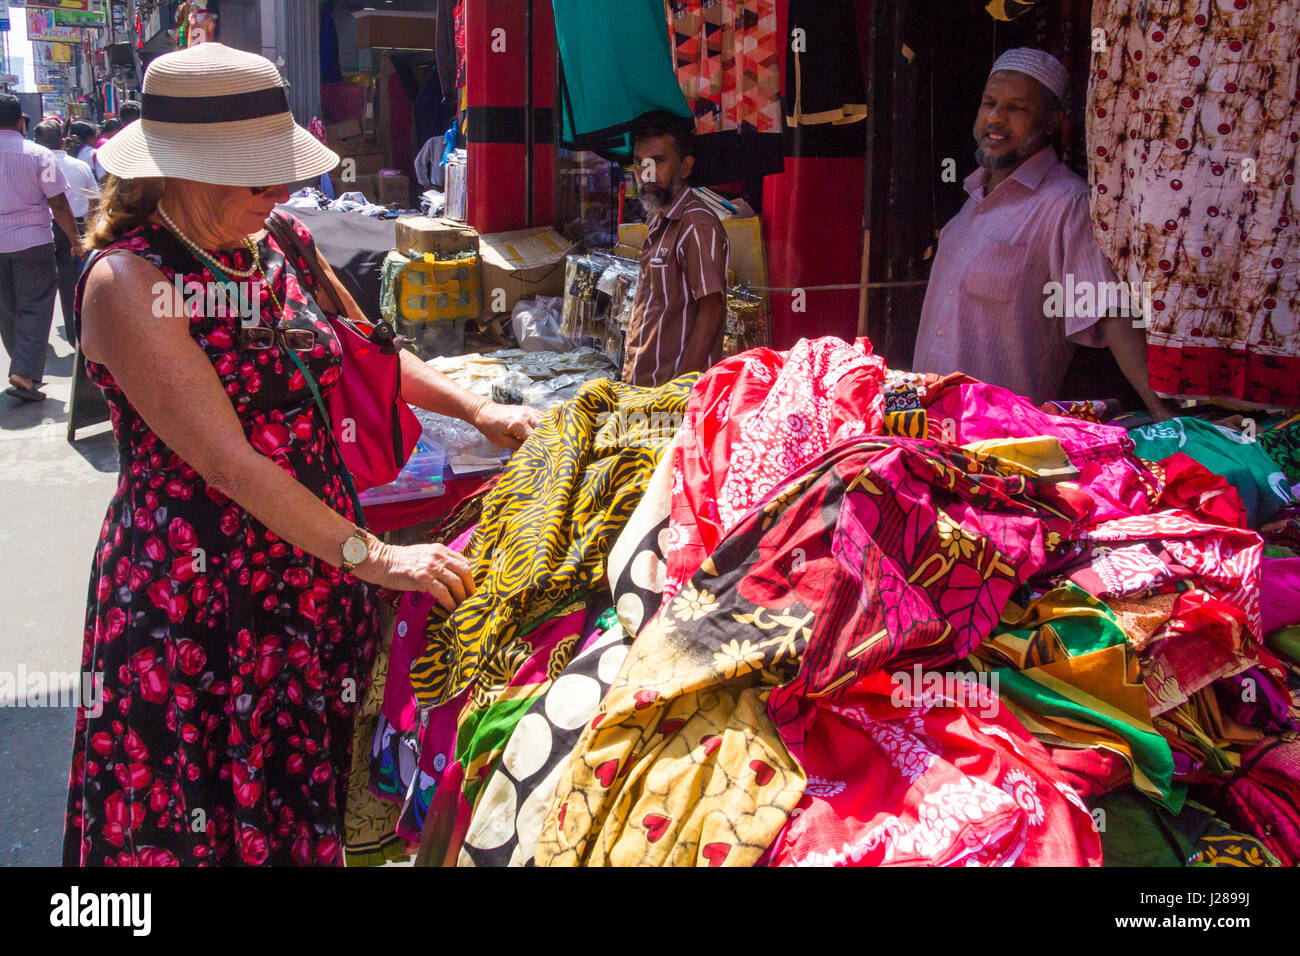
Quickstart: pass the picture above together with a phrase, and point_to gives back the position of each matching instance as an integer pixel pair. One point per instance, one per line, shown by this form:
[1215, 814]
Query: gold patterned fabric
[369, 823]
[548, 525]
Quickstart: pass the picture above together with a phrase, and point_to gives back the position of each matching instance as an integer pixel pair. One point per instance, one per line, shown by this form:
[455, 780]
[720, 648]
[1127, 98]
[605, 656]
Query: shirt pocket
[995, 273]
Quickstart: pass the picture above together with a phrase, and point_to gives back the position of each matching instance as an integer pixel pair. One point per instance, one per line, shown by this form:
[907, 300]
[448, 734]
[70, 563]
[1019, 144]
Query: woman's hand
[430, 568]
[506, 425]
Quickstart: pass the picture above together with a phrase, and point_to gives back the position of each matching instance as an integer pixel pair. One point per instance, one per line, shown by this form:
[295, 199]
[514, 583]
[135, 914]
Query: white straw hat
[216, 115]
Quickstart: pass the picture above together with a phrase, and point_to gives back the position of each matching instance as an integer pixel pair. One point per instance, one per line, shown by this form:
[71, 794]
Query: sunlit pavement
[52, 501]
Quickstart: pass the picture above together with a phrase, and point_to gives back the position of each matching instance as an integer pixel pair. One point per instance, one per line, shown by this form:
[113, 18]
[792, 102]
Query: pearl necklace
[204, 254]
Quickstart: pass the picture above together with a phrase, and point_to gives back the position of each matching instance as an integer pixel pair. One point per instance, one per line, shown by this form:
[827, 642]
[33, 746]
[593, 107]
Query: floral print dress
[231, 662]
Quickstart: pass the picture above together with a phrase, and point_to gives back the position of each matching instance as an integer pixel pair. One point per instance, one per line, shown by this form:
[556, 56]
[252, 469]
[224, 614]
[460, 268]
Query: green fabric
[1150, 751]
[1241, 460]
[487, 730]
[616, 63]
[1136, 832]
[1286, 641]
[1082, 623]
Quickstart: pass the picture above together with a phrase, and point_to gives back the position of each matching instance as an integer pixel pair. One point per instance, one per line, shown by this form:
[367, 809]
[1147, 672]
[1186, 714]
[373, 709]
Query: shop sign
[4, 16]
[42, 25]
[83, 5]
[94, 17]
[8, 79]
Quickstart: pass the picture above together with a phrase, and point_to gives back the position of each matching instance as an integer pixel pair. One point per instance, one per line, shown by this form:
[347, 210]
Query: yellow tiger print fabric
[549, 523]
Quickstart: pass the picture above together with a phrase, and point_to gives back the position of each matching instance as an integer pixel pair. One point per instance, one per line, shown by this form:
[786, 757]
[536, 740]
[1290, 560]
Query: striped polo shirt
[29, 175]
[683, 260]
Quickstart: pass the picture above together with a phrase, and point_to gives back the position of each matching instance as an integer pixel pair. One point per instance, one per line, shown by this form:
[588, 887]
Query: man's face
[1012, 123]
[660, 172]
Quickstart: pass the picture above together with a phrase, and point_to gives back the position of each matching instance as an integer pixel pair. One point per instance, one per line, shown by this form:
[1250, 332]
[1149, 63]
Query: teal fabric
[1227, 452]
[616, 64]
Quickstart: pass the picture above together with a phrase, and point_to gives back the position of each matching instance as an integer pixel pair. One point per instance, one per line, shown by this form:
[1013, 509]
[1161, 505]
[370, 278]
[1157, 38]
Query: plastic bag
[537, 325]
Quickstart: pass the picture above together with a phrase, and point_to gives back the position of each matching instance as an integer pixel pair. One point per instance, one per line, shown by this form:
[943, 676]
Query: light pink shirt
[986, 311]
[29, 175]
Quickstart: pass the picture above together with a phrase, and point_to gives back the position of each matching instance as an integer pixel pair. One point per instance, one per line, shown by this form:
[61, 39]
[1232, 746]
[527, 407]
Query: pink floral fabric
[231, 662]
[902, 777]
[751, 421]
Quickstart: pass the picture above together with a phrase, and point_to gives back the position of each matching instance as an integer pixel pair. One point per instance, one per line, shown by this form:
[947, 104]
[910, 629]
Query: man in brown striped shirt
[680, 304]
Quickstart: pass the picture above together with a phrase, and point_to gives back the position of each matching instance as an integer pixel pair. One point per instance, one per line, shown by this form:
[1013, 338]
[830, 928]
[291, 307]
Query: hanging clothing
[727, 59]
[823, 73]
[1193, 148]
[594, 46]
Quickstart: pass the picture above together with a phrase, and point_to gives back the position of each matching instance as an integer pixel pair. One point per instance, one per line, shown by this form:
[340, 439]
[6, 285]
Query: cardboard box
[361, 164]
[439, 236]
[364, 184]
[396, 29]
[338, 132]
[393, 189]
[521, 265]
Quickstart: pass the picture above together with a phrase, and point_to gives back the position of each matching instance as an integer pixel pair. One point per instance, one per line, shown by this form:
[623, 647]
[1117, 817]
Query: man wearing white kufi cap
[1018, 279]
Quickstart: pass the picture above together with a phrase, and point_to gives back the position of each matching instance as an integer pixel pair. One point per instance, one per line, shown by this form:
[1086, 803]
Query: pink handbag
[374, 429]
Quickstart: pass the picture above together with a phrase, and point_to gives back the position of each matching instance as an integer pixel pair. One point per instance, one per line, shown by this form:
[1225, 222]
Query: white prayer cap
[1039, 64]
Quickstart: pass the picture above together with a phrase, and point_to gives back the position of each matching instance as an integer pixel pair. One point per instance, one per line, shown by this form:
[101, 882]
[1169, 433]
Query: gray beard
[991, 162]
[650, 203]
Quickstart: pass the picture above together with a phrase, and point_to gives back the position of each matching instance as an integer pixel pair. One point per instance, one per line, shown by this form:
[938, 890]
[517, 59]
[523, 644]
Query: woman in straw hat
[231, 614]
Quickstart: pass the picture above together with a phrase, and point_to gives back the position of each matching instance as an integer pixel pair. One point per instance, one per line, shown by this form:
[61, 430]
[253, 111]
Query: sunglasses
[258, 190]
[262, 337]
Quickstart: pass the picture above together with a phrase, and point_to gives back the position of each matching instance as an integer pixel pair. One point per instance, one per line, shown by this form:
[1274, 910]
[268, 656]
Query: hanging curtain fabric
[1192, 144]
[612, 70]
[726, 56]
[823, 70]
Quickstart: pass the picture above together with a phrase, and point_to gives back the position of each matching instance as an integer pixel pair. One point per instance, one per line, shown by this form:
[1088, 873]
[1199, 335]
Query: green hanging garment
[613, 68]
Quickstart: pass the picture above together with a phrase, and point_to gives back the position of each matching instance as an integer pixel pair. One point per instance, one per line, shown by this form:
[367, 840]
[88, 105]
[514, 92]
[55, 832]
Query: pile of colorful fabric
[807, 610]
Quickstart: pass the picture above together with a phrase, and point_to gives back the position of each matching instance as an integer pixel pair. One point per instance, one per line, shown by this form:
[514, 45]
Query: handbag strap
[381, 333]
[360, 516]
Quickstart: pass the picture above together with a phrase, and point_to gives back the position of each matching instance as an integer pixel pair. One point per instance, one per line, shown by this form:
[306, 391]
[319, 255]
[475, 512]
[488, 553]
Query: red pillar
[496, 70]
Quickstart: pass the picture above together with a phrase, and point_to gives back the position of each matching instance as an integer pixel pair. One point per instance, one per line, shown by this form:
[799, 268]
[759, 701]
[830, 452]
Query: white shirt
[29, 176]
[82, 185]
[87, 155]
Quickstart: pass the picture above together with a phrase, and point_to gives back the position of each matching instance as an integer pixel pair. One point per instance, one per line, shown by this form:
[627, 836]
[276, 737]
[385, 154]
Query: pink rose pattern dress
[231, 661]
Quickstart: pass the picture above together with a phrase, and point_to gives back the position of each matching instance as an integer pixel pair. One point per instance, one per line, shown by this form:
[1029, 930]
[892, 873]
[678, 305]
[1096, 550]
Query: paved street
[52, 500]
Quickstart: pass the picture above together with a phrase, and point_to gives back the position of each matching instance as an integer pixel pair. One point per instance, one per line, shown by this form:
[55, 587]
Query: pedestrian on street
[86, 135]
[31, 188]
[82, 191]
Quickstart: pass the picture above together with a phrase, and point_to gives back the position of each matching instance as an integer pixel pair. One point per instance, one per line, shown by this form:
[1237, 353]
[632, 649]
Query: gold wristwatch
[355, 550]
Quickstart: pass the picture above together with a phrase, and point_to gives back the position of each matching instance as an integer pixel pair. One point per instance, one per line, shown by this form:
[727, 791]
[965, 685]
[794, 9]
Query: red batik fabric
[1133, 555]
[752, 421]
[897, 777]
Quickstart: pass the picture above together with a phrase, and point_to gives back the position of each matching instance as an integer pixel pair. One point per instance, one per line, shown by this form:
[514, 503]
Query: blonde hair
[123, 205]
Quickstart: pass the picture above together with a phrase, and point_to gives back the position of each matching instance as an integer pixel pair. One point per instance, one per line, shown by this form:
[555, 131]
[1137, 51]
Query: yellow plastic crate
[432, 290]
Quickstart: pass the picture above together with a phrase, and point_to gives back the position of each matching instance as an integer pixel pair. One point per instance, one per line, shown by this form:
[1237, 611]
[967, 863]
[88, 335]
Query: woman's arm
[506, 425]
[134, 324]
